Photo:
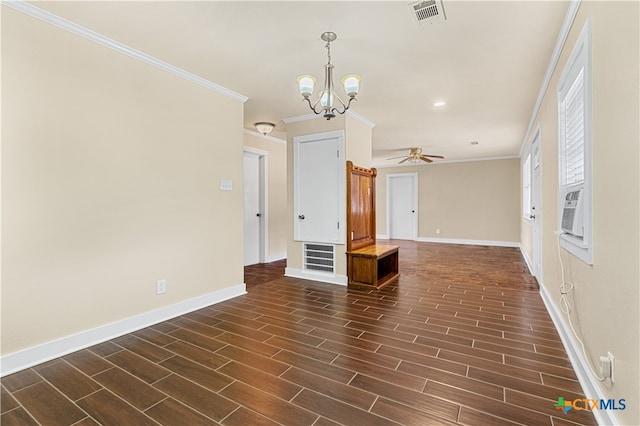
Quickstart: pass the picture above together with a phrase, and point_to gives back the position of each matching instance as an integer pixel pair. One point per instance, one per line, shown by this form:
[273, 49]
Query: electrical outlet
[437, 230]
[607, 366]
[161, 286]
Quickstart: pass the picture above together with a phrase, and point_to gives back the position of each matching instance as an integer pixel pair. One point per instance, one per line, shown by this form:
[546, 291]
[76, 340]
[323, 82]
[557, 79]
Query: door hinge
[338, 225]
[337, 154]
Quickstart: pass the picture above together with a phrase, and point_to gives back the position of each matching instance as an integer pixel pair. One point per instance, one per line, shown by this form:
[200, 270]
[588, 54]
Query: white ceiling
[487, 61]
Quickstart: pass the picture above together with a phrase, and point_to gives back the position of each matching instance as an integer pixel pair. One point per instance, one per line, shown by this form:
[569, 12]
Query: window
[526, 187]
[574, 149]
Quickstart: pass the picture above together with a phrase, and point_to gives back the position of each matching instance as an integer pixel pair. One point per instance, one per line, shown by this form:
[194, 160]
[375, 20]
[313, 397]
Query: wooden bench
[374, 265]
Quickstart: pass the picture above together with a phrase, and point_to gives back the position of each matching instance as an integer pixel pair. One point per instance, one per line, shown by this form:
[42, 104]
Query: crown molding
[349, 112]
[260, 135]
[81, 31]
[470, 160]
[574, 5]
[365, 121]
[297, 118]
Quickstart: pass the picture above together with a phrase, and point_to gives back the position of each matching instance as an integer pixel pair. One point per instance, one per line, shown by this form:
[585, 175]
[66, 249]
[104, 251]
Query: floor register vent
[319, 257]
[427, 12]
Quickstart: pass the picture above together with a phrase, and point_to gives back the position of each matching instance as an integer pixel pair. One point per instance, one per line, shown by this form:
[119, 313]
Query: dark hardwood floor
[462, 337]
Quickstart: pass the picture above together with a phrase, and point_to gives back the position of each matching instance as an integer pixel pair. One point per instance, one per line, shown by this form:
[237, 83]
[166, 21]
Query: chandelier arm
[346, 107]
[341, 102]
[313, 107]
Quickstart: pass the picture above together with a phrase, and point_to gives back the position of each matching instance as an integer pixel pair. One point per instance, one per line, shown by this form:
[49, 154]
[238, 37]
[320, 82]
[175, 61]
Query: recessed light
[439, 104]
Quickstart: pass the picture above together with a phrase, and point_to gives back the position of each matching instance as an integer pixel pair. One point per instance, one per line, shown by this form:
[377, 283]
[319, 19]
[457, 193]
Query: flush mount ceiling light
[264, 127]
[327, 97]
[439, 104]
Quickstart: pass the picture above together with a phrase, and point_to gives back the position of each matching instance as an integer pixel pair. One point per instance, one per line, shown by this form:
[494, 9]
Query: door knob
[413, 211]
[300, 216]
[258, 214]
[532, 216]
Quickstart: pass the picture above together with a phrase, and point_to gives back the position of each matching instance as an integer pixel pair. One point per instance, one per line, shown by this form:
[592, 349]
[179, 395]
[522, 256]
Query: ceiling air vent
[427, 12]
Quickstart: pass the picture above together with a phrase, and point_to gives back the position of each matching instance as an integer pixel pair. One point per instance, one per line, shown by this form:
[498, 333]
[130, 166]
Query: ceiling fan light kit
[416, 156]
[326, 103]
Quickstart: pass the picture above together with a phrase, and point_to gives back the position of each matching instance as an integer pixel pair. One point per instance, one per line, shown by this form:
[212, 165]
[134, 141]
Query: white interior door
[401, 206]
[536, 207]
[252, 213]
[319, 186]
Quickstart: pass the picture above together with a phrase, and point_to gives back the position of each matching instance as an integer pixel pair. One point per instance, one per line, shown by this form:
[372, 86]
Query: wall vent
[319, 257]
[427, 12]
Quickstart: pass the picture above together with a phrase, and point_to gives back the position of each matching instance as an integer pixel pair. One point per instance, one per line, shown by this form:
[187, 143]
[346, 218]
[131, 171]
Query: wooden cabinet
[361, 206]
[368, 263]
[373, 265]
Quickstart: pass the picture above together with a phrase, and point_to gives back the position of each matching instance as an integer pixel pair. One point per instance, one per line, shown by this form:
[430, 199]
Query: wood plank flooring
[461, 337]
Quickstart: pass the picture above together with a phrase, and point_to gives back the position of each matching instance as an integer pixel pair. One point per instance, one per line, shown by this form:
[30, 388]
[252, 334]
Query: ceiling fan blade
[406, 159]
[428, 160]
[395, 158]
[432, 156]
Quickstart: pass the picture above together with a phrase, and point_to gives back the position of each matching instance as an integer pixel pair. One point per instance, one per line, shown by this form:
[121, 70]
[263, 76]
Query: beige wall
[357, 142]
[357, 150]
[606, 296]
[110, 176]
[300, 128]
[476, 200]
[277, 192]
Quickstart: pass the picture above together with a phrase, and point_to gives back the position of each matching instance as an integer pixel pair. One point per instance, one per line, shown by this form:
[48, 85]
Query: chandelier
[327, 98]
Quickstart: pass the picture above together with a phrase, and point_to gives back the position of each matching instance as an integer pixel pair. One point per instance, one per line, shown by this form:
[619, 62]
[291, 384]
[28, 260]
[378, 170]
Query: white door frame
[263, 203]
[536, 194]
[414, 177]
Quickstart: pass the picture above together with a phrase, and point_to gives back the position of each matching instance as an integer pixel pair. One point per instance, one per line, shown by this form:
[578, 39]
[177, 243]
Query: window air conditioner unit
[573, 213]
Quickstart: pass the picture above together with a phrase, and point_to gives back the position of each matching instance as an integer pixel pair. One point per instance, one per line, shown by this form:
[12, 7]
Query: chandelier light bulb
[351, 83]
[326, 99]
[306, 84]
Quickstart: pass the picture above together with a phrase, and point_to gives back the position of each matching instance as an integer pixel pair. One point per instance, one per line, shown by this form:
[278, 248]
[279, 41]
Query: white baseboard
[526, 260]
[382, 237]
[35, 355]
[469, 242]
[589, 384]
[316, 276]
[273, 257]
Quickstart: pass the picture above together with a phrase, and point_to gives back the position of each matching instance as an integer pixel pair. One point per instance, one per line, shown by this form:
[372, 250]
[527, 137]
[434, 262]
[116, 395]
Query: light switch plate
[226, 185]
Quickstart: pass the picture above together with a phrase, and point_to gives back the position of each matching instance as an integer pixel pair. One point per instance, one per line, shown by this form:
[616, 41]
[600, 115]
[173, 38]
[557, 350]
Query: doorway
[536, 206]
[255, 205]
[402, 206]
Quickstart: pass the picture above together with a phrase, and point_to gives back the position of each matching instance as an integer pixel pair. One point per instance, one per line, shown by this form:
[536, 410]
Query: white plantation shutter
[574, 122]
[575, 144]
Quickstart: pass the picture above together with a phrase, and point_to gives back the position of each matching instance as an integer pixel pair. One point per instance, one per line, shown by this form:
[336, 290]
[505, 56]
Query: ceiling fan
[416, 155]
